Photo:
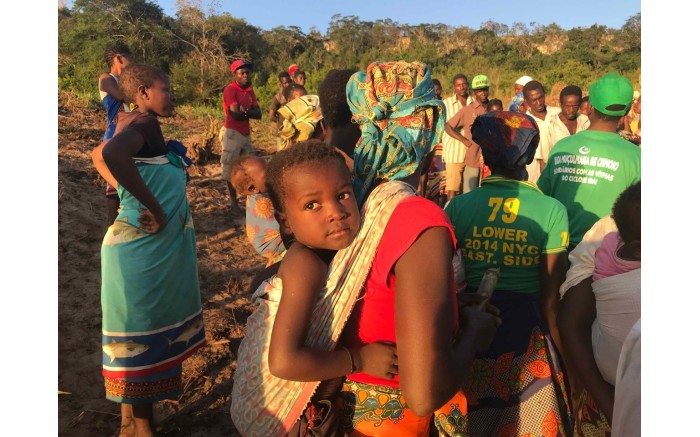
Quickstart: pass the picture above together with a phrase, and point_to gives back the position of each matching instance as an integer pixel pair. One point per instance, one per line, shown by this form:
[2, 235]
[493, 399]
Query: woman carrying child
[369, 281]
[601, 302]
[152, 315]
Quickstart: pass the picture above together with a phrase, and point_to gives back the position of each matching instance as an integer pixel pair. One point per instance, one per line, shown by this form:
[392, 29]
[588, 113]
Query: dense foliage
[196, 48]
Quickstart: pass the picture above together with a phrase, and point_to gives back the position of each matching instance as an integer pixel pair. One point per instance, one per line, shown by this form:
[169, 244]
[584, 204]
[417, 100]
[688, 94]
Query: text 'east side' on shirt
[508, 224]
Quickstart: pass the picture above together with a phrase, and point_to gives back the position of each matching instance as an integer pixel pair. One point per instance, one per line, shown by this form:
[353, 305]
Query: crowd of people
[379, 215]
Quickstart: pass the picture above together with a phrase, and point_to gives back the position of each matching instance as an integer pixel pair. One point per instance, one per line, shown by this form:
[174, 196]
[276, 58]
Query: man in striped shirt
[453, 151]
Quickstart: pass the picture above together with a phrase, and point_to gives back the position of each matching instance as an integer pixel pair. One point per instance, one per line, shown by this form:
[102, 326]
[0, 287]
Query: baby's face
[255, 181]
[256, 170]
[320, 207]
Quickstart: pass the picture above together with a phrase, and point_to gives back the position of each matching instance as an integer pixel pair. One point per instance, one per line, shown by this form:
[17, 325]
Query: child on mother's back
[310, 187]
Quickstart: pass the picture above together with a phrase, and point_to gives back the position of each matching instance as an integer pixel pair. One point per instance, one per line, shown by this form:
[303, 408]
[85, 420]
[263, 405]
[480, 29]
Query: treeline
[196, 48]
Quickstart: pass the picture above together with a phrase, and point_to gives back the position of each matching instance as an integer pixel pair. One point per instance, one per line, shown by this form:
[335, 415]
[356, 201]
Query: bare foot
[143, 428]
[127, 429]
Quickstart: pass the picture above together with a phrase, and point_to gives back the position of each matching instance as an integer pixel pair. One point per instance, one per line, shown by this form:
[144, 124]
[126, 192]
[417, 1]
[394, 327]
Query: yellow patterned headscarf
[300, 118]
[401, 120]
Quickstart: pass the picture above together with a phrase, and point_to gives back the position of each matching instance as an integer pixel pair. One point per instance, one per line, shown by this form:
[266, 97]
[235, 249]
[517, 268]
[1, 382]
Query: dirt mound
[227, 264]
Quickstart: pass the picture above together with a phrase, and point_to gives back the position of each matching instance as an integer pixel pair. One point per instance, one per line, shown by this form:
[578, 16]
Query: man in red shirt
[240, 105]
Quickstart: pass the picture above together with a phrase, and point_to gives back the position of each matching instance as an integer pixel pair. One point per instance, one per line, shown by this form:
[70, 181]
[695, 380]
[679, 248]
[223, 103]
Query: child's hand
[377, 359]
[150, 222]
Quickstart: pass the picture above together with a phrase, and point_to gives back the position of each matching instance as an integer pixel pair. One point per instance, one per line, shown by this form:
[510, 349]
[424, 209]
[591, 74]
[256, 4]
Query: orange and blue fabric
[261, 228]
[400, 117]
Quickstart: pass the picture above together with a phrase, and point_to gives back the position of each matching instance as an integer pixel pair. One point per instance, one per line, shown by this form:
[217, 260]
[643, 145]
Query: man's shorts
[234, 145]
[453, 176]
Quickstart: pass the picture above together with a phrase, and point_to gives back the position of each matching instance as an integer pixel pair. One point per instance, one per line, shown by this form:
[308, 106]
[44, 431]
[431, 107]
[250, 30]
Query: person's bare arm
[303, 275]
[111, 87]
[454, 132]
[116, 154]
[552, 274]
[272, 112]
[576, 315]
[100, 165]
[424, 325]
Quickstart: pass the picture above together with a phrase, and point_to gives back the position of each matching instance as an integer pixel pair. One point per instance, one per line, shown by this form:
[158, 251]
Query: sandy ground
[227, 264]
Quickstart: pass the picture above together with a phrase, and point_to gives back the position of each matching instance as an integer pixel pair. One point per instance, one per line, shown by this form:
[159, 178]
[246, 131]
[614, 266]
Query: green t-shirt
[587, 172]
[508, 224]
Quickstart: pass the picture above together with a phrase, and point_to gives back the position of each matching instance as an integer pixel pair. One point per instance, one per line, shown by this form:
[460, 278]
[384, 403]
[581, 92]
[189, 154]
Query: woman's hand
[152, 222]
[480, 324]
[377, 359]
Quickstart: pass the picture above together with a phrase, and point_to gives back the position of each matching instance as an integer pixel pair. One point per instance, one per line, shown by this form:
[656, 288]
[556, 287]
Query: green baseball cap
[611, 94]
[480, 81]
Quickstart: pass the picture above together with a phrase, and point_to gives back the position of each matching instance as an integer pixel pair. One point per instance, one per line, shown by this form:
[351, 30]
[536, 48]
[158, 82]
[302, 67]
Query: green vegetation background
[197, 46]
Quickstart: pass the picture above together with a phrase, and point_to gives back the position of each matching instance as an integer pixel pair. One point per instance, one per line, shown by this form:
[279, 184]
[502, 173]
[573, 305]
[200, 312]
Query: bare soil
[227, 264]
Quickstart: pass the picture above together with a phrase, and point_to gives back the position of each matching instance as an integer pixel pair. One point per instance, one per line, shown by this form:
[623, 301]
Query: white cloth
[555, 131]
[523, 80]
[453, 151]
[582, 258]
[627, 416]
[618, 307]
[533, 168]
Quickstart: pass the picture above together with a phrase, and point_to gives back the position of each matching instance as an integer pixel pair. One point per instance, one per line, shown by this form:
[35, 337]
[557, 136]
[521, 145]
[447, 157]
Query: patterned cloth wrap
[507, 139]
[378, 410]
[264, 405]
[401, 120]
[151, 306]
[299, 120]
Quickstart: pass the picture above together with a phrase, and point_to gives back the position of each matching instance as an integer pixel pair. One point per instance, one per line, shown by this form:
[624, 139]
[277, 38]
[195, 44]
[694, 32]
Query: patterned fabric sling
[264, 405]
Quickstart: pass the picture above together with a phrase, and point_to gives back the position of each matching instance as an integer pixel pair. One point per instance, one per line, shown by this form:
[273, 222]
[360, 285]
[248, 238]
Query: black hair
[114, 49]
[136, 75]
[291, 88]
[586, 99]
[283, 74]
[437, 82]
[495, 102]
[627, 213]
[460, 76]
[571, 90]
[532, 85]
[332, 98]
[298, 72]
[303, 152]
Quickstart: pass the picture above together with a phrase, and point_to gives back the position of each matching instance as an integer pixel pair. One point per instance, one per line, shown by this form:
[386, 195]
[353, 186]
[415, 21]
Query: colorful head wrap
[401, 121]
[299, 119]
[508, 140]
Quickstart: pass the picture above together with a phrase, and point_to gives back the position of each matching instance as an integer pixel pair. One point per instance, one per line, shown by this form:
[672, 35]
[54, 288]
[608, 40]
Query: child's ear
[143, 92]
[282, 220]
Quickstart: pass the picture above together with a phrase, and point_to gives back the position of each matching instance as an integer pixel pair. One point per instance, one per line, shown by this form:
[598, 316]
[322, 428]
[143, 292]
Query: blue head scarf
[401, 121]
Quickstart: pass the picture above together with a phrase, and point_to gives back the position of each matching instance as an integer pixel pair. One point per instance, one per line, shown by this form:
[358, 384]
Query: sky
[272, 13]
